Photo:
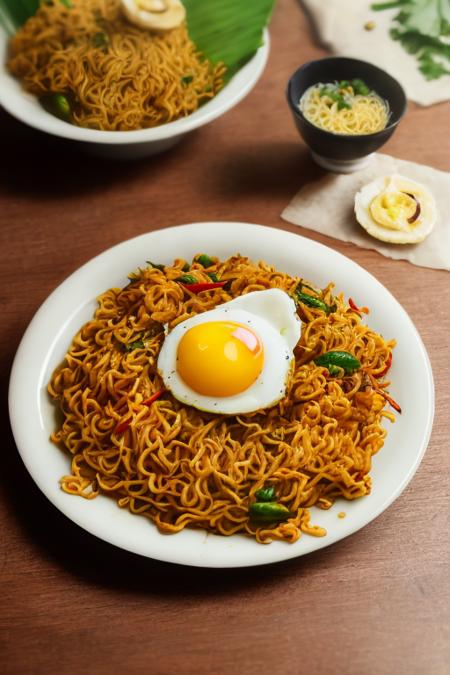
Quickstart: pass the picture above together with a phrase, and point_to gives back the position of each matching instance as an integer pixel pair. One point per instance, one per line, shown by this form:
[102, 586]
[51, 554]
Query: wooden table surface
[374, 603]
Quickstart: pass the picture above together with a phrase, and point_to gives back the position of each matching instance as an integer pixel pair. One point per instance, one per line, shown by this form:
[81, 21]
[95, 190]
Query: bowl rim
[249, 73]
[351, 138]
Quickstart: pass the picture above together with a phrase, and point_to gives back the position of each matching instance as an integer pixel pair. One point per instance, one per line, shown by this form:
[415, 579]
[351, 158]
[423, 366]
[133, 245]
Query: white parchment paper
[327, 206]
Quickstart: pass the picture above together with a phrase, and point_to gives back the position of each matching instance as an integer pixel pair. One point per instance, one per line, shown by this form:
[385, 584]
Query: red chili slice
[390, 400]
[153, 397]
[204, 286]
[358, 310]
[123, 426]
[387, 365]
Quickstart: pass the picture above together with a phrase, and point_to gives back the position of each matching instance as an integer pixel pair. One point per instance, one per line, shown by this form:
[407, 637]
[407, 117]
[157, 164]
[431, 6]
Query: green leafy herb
[131, 346]
[155, 265]
[228, 31]
[100, 41]
[360, 87]
[204, 260]
[186, 267]
[213, 276]
[14, 13]
[186, 79]
[265, 494]
[423, 27]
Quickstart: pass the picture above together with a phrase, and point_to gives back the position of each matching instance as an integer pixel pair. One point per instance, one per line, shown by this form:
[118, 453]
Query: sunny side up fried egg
[396, 209]
[235, 358]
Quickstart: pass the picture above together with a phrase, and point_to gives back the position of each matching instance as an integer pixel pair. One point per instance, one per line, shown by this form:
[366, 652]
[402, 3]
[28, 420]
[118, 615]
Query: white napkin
[326, 206]
[340, 26]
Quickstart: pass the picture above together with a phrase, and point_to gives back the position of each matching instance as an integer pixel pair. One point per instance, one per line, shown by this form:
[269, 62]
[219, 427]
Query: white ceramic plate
[128, 144]
[73, 302]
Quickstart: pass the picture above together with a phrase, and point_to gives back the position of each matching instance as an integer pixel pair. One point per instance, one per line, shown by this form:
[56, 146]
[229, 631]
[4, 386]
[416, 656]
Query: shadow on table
[265, 171]
[40, 164]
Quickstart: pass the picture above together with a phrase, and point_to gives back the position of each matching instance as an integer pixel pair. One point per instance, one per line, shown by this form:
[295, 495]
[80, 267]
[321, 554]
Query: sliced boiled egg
[156, 15]
[235, 358]
[396, 209]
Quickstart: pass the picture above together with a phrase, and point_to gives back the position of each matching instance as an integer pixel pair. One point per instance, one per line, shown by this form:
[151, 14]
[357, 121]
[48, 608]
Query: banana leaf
[229, 31]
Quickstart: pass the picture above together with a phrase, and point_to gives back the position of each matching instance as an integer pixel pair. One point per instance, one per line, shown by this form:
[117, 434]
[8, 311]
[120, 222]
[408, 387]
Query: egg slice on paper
[235, 358]
[396, 209]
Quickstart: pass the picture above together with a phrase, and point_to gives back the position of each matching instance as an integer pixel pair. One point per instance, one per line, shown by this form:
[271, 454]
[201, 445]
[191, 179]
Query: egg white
[417, 232]
[272, 315]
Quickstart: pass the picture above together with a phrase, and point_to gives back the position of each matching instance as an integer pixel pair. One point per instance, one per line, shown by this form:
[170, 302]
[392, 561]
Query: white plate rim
[194, 547]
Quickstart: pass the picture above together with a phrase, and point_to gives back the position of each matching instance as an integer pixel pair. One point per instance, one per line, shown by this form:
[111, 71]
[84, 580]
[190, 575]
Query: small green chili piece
[213, 276]
[204, 260]
[311, 301]
[58, 104]
[268, 512]
[187, 279]
[186, 267]
[338, 359]
[265, 494]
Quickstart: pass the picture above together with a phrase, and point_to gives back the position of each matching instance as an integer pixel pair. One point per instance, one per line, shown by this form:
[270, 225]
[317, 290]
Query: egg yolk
[392, 209]
[220, 358]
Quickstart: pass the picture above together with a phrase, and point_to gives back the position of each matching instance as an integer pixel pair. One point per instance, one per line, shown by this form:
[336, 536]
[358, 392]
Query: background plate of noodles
[132, 98]
[73, 303]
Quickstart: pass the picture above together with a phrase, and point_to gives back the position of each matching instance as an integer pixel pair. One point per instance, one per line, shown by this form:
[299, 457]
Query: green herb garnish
[157, 266]
[265, 494]
[423, 27]
[204, 260]
[100, 41]
[131, 346]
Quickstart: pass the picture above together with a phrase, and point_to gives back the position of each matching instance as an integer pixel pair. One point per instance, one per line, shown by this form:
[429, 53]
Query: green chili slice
[312, 301]
[268, 512]
[187, 279]
[58, 104]
[338, 359]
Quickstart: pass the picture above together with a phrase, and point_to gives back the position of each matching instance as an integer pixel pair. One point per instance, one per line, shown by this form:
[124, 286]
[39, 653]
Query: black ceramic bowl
[340, 152]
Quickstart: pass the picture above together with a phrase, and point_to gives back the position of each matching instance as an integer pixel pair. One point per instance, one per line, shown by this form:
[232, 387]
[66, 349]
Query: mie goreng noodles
[180, 467]
[110, 74]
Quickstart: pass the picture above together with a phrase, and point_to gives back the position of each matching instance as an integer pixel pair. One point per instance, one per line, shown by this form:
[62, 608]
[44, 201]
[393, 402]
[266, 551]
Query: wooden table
[375, 603]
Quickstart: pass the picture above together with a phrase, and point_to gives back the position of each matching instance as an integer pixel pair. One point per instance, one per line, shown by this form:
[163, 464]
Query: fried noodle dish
[256, 473]
[113, 75]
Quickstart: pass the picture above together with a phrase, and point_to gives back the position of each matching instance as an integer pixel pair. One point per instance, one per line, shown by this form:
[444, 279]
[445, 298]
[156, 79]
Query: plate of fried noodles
[82, 70]
[126, 458]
